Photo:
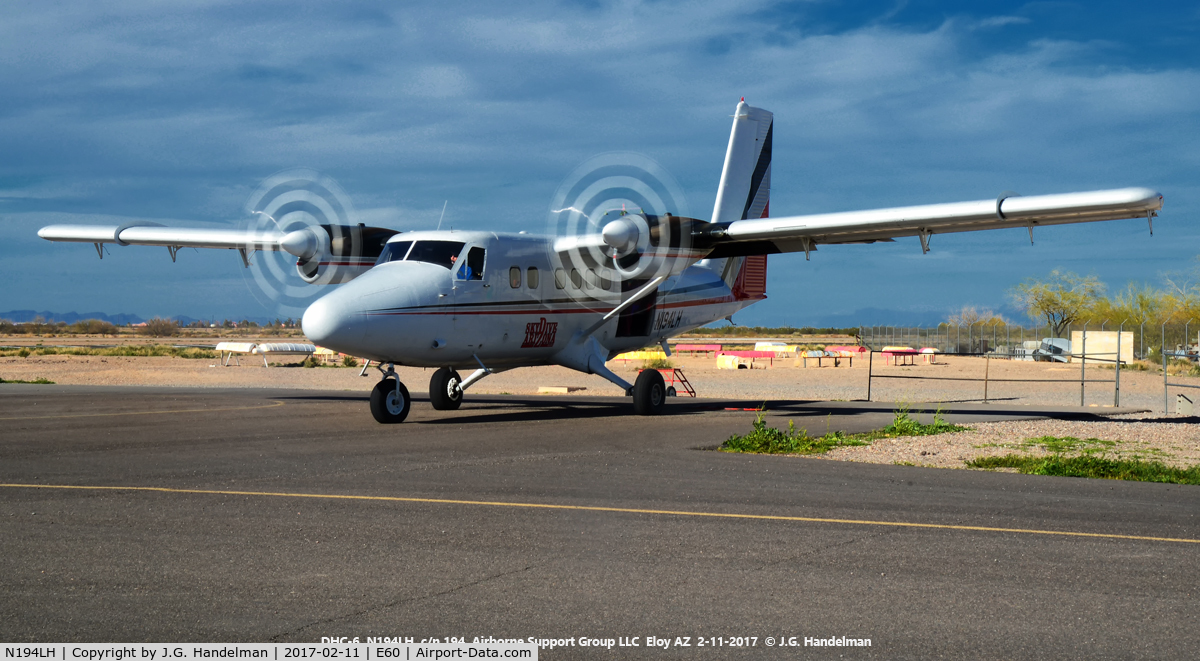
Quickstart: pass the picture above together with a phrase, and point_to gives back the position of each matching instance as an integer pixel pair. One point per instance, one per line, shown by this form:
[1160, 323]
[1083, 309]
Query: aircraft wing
[325, 254]
[146, 234]
[803, 233]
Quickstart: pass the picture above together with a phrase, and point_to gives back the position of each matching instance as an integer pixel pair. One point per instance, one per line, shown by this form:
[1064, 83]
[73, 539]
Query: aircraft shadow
[511, 408]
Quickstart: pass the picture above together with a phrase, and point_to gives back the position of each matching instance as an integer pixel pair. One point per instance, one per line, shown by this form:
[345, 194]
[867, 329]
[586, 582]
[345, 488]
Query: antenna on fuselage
[443, 214]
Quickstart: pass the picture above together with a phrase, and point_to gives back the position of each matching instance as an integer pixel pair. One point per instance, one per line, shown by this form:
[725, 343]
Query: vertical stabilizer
[745, 188]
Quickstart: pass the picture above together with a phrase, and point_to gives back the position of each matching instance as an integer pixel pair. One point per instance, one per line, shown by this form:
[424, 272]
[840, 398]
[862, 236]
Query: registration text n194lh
[621, 279]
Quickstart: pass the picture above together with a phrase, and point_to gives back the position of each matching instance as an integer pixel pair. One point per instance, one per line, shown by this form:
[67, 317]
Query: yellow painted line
[623, 510]
[273, 404]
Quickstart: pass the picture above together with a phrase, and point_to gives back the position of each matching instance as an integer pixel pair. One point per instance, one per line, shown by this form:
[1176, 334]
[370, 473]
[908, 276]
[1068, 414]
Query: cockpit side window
[475, 259]
[442, 253]
[394, 252]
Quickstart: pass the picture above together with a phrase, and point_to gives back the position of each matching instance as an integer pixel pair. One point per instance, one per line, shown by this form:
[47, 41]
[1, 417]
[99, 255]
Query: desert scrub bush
[658, 364]
[93, 327]
[349, 361]
[158, 327]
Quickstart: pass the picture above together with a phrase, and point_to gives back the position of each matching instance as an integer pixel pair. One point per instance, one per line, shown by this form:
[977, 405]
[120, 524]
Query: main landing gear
[445, 390]
[649, 393]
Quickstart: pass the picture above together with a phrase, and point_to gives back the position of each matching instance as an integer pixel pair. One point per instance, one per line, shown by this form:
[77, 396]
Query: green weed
[37, 381]
[768, 440]
[905, 425]
[148, 350]
[1094, 467]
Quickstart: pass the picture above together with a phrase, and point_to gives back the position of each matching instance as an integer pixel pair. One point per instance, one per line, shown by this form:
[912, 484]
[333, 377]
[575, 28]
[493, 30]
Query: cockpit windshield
[442, 253]
[394, 252]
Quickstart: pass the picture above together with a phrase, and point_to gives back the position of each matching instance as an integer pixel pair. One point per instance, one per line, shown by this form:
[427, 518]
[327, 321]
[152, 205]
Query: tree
[1061, 299]
[970, 316]
[158, 327]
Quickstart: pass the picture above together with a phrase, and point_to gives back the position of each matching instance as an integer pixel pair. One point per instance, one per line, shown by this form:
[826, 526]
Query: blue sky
[174, 112]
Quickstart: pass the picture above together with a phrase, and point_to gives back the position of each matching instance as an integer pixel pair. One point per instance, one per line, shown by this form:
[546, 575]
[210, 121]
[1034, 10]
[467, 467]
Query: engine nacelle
[333, 254]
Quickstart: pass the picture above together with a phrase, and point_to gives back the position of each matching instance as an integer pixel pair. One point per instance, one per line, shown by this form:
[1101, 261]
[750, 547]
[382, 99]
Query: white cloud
[140, 110]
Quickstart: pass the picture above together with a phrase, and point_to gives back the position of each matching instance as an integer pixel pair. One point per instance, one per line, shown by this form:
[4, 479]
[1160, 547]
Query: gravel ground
[1146, 436]
[1131, 437]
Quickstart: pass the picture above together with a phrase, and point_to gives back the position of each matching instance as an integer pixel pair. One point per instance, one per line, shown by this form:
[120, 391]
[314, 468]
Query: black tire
[649, 393]
[384, 405]
[671, 391]
[444, 392]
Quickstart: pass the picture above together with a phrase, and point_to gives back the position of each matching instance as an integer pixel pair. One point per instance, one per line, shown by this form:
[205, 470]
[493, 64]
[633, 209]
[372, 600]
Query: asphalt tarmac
[273, 516]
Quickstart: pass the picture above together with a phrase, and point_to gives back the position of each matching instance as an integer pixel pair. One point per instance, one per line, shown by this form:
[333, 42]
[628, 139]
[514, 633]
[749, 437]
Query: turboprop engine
[333, 254]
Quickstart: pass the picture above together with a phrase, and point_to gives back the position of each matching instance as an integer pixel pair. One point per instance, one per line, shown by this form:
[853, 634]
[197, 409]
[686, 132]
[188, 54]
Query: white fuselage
[513, 307]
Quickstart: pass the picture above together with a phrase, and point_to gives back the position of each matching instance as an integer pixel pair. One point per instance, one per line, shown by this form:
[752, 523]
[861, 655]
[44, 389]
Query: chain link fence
[1030, 342]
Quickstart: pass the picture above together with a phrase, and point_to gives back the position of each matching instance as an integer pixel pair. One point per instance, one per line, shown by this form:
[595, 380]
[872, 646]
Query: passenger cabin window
[514, 277]
[442, 253]
[576, 279]
[531, 277]
[394, 252]
[560, 278]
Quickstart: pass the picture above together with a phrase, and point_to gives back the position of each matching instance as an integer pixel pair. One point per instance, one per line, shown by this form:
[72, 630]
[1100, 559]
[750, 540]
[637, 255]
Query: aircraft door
[470, 289]
[637, 320]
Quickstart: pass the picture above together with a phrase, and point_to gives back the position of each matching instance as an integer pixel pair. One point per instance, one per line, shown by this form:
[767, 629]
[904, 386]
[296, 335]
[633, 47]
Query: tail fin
[745, 188]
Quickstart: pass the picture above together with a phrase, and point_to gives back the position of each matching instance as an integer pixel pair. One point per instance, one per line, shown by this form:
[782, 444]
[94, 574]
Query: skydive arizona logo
[540, 334]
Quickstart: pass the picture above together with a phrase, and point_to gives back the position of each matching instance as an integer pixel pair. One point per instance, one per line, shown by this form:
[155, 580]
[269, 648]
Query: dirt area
[1146, 436]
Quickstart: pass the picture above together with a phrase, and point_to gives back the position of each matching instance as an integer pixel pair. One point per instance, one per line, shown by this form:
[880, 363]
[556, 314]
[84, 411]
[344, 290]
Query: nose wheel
[445, 390]
[390, 401]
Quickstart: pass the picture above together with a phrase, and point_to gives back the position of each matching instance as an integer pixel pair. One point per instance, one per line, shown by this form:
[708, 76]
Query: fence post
[1082, 362]
[1163, 351]
[987, 363]
[1117, 387]
[870, 361]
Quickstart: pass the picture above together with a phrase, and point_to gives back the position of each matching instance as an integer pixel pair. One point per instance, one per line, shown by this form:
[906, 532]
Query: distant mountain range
[860, 317]
[24, 316]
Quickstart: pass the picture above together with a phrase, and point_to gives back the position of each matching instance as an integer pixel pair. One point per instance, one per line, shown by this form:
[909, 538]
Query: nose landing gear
[390, 401]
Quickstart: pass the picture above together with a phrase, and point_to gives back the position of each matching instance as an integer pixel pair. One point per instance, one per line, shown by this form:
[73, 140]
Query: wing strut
[924, 234]
[641, 293]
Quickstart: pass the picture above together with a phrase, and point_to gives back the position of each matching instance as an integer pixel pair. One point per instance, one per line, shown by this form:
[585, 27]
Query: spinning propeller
[620, 225]
[321, 233]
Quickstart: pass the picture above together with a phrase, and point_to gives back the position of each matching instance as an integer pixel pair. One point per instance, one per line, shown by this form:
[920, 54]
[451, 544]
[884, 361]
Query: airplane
[618, 280]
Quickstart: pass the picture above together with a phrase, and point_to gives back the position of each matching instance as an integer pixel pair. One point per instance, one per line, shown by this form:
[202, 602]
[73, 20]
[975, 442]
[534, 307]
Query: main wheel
[390, 402]
[444, 393]
[649, 393]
